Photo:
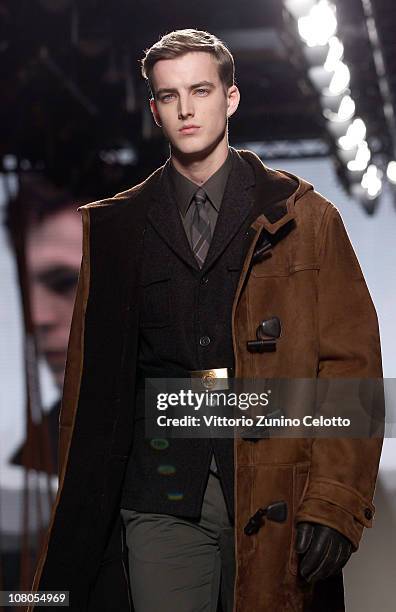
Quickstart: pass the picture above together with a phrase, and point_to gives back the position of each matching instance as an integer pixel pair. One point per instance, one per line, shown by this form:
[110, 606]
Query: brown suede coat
[311, 280]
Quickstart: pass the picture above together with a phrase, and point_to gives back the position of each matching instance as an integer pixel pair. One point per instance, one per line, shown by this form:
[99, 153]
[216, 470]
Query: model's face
[191, 104]
[53, 253]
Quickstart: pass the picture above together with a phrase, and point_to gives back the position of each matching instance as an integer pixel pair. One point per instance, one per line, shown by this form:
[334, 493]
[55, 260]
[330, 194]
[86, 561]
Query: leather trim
[72, 384]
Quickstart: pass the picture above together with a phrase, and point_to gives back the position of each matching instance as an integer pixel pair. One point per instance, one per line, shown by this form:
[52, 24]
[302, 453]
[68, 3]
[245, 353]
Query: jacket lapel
[236, 206]
[164, 216]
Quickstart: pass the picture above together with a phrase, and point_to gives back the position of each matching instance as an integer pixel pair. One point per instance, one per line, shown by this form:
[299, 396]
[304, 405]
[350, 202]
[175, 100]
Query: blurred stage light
[355, 135]
[10, 162]
[358, 192]
[362, 158]
[318, 27]
[299, 8]
[316, 56]
[320, 78]
[340, 80]
[338, 128]
[330, 75]
[335, 53]
[372, 182]
[344, 112]
[289, 149]
[347, 156]
[330, 103]
[329, 82]
[124, 156]
[369, 204]
[347, 108]
[391, 172]
[355, 178]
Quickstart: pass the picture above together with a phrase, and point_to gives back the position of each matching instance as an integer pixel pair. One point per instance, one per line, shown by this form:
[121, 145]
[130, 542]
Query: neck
[199, 167]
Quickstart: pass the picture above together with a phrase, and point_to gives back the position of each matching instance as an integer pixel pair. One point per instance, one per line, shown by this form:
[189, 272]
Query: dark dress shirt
[184, 190]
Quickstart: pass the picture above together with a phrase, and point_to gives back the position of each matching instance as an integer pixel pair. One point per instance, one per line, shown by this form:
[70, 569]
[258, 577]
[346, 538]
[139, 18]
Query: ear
[154, 110]
[233, 97]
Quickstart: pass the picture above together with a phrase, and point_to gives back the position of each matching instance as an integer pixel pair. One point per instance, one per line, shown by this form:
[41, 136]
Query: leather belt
[215, 379]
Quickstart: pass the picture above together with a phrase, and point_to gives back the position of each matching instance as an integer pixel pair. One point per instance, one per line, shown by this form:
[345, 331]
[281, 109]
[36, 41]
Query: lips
[189, 129]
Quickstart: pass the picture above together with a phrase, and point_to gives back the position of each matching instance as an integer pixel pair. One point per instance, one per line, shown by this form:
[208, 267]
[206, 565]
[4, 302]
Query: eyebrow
[174, 90]
[54, 273]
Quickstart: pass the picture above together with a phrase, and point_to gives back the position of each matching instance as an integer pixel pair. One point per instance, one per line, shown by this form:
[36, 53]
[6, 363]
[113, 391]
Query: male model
[184, 274]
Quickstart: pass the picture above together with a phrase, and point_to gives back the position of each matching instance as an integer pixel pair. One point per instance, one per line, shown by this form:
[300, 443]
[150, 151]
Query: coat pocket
[155, 305]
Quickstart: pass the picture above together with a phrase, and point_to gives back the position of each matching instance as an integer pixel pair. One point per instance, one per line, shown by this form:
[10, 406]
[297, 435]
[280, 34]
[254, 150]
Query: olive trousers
[182, 565]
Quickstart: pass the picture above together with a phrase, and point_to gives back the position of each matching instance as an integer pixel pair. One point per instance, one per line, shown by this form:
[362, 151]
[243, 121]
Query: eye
[202, 91]
[60, 280]
[65, 284]
[166, 97]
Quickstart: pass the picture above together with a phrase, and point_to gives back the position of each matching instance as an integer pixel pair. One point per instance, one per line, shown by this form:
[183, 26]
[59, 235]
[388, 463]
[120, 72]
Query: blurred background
[318, 98]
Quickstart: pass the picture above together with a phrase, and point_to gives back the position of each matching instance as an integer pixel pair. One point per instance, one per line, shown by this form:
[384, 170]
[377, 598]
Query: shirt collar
[184, 189]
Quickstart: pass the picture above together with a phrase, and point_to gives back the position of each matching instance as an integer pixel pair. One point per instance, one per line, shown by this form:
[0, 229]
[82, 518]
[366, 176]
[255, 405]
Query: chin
[196, 149]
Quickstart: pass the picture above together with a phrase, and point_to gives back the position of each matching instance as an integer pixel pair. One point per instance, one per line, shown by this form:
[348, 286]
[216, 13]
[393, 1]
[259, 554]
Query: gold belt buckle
[213, 380]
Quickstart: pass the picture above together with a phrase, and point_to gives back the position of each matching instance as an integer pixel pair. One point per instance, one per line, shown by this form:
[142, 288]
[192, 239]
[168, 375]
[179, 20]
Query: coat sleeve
[344, 470]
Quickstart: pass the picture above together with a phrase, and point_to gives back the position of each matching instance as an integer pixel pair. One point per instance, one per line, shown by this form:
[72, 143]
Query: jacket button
[368, 514]
[204, 341]
[204, 280]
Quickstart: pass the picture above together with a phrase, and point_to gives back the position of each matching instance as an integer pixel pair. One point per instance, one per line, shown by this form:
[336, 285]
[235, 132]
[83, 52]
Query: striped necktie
[200, 227]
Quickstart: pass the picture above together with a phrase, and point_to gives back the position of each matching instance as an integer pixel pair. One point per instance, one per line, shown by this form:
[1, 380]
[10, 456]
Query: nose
[186, 106]
[44, 306]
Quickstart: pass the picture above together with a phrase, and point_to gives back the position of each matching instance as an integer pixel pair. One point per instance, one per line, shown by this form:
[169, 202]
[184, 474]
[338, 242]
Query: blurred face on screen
[53, 252]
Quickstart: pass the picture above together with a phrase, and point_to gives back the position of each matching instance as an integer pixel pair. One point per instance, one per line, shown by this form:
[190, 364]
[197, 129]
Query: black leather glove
[325, 550]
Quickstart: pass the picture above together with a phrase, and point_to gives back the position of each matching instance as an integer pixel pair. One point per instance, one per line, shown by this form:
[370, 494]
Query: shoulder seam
[130, 193]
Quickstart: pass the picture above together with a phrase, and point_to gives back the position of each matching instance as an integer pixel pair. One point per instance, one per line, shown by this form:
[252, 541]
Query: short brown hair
[180, 42]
